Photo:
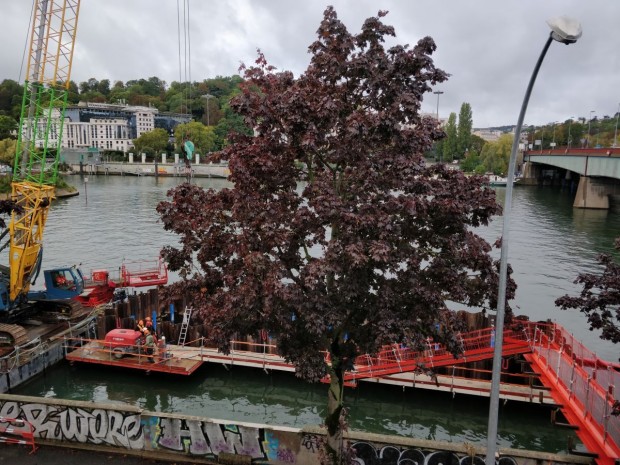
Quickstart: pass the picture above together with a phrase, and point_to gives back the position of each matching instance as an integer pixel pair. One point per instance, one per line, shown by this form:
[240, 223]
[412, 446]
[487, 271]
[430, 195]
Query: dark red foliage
[336, 235]
[599, 298]
[6, 208]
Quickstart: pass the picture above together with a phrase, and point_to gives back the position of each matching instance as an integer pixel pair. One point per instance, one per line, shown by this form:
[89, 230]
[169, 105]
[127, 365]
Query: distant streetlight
[553, 141]
[567, 31]
[616, 132]
[570, 123]
[589, 125]
[207, 97]
[438, 93]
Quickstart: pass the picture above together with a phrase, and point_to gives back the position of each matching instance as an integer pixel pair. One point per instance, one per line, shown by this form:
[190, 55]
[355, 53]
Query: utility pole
[589, 125]
[438, 93]
[616, 132]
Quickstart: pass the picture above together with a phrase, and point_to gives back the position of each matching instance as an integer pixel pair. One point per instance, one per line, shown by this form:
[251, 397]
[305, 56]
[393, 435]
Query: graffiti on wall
[368, 454]
[131, 431]
[205, 438]
[85, 426]
[199, 437]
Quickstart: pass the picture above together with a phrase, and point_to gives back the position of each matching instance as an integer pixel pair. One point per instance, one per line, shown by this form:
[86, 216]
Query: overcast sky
[489, 47]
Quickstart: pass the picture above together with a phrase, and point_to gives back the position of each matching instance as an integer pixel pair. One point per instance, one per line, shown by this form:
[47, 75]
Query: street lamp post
[207, 97]
[570, 123]
[438, 93]
[553, 140]
[589, 125]
[616, 132]
[567, 31]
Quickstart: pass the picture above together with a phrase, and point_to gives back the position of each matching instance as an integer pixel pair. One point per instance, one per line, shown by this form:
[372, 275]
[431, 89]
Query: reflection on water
[550, 244]
[243, 394]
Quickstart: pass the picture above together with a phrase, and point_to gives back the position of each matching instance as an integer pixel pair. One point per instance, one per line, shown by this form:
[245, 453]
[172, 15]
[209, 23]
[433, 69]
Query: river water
[114, 219]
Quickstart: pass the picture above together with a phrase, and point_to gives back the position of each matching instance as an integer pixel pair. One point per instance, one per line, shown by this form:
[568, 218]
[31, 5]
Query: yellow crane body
[52, 40]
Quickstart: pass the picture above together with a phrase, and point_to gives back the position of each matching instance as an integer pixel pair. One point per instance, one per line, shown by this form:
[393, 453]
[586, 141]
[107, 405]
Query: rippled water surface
[114, 219]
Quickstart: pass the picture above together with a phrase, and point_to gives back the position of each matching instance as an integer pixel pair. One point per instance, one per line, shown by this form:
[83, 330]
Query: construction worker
[150, 345]
[60, 281]
[148, 324]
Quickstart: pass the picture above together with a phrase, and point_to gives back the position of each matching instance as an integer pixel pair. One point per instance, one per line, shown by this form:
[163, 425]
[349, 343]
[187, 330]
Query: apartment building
[107, 126]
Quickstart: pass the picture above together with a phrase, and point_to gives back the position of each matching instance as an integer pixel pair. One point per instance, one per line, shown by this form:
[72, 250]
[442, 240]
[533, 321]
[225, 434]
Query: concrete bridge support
[594, 193]
[531, 174]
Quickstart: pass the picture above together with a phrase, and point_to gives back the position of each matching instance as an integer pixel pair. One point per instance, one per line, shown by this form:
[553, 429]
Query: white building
[490, 135]
[103, 126]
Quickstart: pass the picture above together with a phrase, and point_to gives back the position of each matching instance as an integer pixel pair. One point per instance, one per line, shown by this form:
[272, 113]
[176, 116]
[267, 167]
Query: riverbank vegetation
[206, 101]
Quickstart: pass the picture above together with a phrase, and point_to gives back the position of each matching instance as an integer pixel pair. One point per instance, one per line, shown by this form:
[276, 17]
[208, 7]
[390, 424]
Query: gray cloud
[488, 47]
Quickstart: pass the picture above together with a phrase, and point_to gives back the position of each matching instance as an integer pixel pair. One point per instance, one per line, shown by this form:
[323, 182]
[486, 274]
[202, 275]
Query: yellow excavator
[35, 171]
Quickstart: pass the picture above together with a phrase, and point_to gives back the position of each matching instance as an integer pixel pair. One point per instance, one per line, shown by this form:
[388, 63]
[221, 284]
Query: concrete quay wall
[204, 170]
[130, 430]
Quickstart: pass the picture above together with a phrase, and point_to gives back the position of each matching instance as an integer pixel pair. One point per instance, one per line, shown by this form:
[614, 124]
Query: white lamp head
[565, 29]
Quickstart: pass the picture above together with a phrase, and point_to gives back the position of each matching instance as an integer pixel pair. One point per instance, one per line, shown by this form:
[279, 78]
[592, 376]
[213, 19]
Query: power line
[179, 39]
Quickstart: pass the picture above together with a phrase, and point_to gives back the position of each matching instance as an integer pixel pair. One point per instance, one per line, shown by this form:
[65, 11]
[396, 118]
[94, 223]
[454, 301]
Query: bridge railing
[399, 355]
[589, 381]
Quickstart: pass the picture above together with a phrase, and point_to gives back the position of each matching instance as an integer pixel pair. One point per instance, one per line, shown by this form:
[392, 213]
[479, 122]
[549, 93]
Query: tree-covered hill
[207, 100]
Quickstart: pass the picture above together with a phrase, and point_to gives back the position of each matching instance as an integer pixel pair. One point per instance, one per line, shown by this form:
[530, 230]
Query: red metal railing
[584, 383]
[17, 431]
[475, 345]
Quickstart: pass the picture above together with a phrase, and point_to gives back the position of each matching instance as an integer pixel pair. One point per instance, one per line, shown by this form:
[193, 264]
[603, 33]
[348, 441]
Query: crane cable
[26, 41]
[185, 66]
[179, 39]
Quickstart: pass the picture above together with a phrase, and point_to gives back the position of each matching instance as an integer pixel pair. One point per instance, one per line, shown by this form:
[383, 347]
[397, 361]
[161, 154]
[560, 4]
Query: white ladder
[185, 325]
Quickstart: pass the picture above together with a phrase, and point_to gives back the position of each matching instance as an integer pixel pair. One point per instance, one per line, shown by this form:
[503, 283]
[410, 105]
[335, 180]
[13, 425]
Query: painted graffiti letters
[203, 438]
[80, 425]
[286, 455]
[311, 442]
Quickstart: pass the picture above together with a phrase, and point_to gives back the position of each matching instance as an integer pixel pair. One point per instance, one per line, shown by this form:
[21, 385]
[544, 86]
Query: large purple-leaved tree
[336, 236]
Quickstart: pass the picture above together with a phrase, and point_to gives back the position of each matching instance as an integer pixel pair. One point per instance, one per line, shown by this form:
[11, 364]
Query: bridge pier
[594, 192]
[531, 174]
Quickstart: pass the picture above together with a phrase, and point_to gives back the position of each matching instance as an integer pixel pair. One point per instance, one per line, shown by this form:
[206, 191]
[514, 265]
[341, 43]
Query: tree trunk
[333, 421]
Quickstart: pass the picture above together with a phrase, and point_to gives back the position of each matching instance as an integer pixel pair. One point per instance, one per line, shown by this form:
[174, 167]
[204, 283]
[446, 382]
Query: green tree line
[207, 101]
[492, 156]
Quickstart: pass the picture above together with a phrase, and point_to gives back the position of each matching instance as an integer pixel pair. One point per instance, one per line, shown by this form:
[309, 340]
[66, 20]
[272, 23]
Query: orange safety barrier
[476, 345]
[141, 273]
[17, 431]
[584, 385]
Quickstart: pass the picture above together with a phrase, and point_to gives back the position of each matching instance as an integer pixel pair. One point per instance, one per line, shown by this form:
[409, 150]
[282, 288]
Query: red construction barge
[100, 287]
[562, 373]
